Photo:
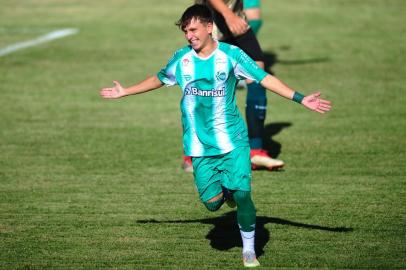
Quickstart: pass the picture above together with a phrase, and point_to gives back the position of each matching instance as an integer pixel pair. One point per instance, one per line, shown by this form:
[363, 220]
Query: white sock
[248, 241]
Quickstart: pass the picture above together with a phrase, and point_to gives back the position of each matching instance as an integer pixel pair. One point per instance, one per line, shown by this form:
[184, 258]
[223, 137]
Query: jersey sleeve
[167, 75]
[246, 68]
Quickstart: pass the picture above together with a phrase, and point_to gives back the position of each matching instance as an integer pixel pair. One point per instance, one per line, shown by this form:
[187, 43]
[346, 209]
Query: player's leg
[214, 203]
[246, 218]
[256, 107]
[237, 178]
[208, 182]
[187, 165]
[252, 9]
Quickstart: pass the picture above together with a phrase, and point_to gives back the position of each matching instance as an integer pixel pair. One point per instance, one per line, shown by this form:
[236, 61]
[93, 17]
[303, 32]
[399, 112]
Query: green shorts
[251, 4]
[231, 170]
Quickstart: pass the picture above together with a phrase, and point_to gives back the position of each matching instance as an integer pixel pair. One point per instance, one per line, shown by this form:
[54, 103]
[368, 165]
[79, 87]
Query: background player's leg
[256, 106]
[187, 165]
[252, 9]
[255, 112]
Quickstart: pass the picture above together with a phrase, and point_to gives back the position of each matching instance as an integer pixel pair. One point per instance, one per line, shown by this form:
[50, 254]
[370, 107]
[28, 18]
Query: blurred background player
[231, 27]
[252, 10]
[252, 13]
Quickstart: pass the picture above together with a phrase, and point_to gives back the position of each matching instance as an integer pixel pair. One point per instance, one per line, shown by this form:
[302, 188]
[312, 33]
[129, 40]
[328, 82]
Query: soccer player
[230, 26]
[214, 132]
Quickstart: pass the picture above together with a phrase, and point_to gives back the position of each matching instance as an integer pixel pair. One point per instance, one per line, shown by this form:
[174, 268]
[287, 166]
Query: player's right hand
[113, 92]
[237, 25]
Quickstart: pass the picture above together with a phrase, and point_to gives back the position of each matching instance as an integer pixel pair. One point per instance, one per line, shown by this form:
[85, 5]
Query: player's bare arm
[237, 25]
[118, 91]
[253, 13]
[312, 101]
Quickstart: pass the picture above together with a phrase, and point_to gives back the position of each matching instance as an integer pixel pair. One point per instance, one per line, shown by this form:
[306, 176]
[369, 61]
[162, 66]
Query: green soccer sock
[246, 213]
[255, 25]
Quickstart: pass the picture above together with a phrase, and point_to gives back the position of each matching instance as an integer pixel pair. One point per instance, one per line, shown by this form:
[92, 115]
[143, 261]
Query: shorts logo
[221, 76]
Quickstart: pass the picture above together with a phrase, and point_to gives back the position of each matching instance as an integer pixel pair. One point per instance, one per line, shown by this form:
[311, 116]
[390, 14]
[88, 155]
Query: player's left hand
[314, 103]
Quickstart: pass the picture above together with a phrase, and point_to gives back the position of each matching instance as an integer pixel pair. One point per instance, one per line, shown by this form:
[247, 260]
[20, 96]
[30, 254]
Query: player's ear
[209, 27]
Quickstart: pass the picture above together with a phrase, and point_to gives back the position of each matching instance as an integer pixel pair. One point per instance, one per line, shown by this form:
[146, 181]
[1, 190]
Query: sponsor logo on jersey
[205, 93]
[185, 62]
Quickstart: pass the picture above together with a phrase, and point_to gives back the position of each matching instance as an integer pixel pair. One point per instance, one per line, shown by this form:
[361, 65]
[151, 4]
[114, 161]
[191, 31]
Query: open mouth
[193, 42]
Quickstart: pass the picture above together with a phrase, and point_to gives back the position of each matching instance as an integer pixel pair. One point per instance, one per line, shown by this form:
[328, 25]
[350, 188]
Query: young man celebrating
[214, 133]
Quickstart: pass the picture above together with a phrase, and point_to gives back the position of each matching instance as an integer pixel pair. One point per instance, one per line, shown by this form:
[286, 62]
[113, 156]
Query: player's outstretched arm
[312, 101]
[118, 91]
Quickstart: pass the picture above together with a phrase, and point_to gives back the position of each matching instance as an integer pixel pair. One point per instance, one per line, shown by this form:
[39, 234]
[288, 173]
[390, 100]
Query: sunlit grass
[93, 184]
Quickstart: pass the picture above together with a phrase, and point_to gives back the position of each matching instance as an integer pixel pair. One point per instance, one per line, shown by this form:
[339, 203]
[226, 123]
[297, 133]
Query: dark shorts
[248, 42]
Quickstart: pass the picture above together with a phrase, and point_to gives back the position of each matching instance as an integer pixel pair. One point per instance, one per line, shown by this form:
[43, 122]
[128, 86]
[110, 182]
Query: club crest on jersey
[221, 76]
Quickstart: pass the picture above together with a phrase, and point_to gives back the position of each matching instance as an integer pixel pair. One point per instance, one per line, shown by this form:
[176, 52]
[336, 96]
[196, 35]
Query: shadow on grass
[271, 58]
[273, 147]
[226, 235]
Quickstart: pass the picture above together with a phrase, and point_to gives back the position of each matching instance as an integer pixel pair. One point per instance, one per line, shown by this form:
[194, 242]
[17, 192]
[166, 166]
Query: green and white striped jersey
[212, 123]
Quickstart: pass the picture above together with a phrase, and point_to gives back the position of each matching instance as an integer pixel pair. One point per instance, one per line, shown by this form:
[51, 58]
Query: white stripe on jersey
[189, 105]
[219, 103]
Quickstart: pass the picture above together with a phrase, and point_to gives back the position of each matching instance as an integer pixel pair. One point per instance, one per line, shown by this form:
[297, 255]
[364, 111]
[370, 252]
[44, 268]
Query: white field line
[42, 39]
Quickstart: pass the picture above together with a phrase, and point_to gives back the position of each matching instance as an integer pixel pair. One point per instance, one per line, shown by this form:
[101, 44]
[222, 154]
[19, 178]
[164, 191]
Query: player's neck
[208, 49]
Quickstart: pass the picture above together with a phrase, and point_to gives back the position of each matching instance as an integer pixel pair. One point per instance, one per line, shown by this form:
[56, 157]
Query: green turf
[94, 184]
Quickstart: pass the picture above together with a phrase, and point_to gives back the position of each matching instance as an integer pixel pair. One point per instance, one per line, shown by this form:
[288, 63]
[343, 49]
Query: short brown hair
[197, 11]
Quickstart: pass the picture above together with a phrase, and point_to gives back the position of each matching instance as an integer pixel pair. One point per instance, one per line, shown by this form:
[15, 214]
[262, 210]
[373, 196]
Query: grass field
[92, 184]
